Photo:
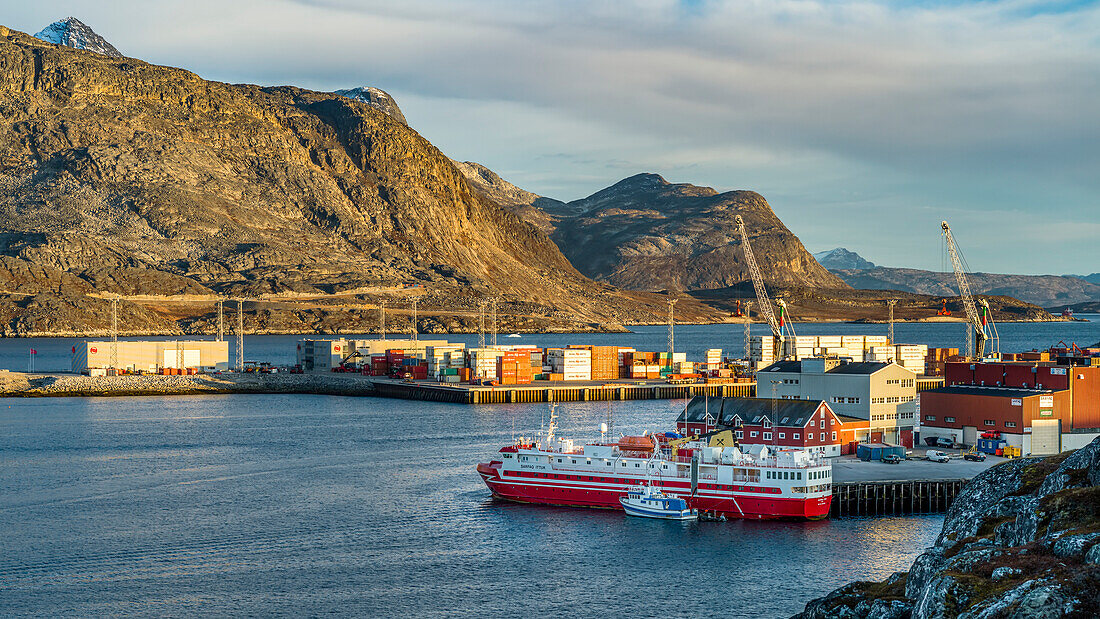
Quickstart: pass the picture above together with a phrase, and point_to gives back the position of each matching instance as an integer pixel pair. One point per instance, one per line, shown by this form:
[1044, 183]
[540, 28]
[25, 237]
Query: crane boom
[761, 292]
[971, 308]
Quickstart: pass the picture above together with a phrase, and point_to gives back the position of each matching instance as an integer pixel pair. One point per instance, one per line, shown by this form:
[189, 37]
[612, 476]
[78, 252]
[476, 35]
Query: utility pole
[671, 325]
[748, 338]
[221, 320]
[494, 309]
[890, 335]
[240, 335]
[114, 332]
[481, 324]
[415, 301]
[382, 319]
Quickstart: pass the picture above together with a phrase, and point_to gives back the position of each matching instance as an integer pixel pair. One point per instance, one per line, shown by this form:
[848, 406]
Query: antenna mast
[481, 324]
[382, 319]
[240, 335]
[221, 320]
[414, 325]
[494, 310]
[890, 334]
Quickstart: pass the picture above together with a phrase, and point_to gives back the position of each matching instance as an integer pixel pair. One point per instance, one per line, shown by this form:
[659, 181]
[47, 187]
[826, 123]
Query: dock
[554, 392]
[894, 498]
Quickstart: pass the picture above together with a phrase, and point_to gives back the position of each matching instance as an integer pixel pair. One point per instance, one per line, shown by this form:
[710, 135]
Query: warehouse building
[150, 356]
[1043, 408]
[882, 393]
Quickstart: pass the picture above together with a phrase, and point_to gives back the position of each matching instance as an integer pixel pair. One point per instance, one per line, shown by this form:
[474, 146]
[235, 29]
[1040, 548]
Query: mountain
[74, 33]
[134, 178]
[1092, 278]
[541, 212]
[1042, 290]
[377, 98]
[841, 258]
[644, 233]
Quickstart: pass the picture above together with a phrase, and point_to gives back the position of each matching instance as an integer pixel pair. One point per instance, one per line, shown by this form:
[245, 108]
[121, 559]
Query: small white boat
[648, 502]
[513, 335]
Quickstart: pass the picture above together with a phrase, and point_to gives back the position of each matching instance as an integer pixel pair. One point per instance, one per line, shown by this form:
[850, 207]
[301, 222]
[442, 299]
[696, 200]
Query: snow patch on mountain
[376, 98]
[74, 33]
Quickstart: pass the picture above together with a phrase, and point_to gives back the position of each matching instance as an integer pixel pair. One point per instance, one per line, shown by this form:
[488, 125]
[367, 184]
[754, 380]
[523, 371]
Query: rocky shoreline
[15, 384]
[1022, 540]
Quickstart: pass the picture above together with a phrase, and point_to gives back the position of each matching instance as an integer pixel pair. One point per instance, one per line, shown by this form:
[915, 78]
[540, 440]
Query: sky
[864, 123]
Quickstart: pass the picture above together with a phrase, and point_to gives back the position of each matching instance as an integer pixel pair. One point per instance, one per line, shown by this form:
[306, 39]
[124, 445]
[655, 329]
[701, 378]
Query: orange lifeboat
[636, 443]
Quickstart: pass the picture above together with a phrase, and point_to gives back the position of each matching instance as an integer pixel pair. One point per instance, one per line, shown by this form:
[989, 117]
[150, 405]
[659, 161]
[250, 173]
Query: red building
[1040, 406]
[801, 424]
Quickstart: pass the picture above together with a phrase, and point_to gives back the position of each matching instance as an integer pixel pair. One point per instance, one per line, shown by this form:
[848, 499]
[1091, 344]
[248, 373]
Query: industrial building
[880, 392]
[150, 356]
[1043, 408]
[791, 424]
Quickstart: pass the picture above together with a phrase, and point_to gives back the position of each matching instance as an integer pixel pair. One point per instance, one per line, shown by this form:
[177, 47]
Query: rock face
[539, 211]
[141, 179]
[376, 98]
[841, 258]
[1021, 540]
[1042, 290]
[76, 34]
[645, 233]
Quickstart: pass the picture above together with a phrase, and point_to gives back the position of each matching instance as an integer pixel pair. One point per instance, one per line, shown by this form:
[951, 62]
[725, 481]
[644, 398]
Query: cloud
[825, 107]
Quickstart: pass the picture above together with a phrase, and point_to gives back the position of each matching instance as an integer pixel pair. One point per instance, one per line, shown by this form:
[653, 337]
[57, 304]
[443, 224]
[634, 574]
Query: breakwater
[14, 384]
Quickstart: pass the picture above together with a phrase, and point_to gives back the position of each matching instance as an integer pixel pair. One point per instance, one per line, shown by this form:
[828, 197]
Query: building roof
[850, 367]
[723, 411]
[850, 419]
[783, 366]
[994, 392]
[861, 367]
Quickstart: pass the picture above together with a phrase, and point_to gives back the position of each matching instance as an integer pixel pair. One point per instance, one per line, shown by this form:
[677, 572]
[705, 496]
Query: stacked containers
[513, 367]
[572, 363]
[605, 362]
[911, 357]
[483, 361]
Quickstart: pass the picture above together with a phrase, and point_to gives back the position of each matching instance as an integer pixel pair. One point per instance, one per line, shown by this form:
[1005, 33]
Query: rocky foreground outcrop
[1021, 540]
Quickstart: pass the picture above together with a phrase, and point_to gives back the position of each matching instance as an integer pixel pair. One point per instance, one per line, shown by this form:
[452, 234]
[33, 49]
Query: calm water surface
[357, 506]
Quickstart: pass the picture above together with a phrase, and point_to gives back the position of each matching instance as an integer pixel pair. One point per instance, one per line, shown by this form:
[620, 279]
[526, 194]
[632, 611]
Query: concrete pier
[556, 392]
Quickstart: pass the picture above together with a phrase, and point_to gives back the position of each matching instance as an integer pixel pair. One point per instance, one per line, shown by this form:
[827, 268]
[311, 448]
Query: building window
[782, 435]
[822, 424]
[822, 437]
[929, 417]
[834, 436]
[949, 419]
[767, 436]
[990, 422]
[740, 434]
[752, 434]
[1010, 424]
[795, 436]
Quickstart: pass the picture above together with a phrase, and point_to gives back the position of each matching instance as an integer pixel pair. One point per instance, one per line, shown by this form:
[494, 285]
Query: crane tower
[781, 327]
[981, 324]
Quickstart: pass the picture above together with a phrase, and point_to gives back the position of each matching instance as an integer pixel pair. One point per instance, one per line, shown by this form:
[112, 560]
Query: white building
[881, 393]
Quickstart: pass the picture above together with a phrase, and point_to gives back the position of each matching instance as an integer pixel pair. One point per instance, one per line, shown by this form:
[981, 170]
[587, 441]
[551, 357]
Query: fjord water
[264, 504]
[361, 506]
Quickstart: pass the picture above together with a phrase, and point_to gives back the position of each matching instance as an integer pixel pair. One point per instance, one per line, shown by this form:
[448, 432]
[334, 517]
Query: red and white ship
[721, 481]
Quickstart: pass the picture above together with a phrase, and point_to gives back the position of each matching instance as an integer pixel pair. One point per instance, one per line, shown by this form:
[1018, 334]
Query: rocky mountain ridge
[644, 233]
[136, 178]
[1022, 539]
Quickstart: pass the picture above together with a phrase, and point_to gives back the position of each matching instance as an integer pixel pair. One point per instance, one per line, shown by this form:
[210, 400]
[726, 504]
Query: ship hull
[579, 493]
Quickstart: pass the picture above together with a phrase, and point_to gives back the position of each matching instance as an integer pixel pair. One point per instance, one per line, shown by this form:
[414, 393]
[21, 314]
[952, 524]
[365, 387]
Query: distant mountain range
[1050, 291]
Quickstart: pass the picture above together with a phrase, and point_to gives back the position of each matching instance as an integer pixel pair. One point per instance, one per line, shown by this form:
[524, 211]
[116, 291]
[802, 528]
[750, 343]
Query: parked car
[937, 456]
[945, 442]
[892, 459]
[975, 456]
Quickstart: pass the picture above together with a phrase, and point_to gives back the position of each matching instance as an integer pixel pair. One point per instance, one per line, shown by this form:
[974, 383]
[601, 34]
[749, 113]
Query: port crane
[981, 326]
[781, 327]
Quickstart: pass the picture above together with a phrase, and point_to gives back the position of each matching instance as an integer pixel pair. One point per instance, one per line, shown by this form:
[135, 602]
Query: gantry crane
[981, 325]
[780, 326]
